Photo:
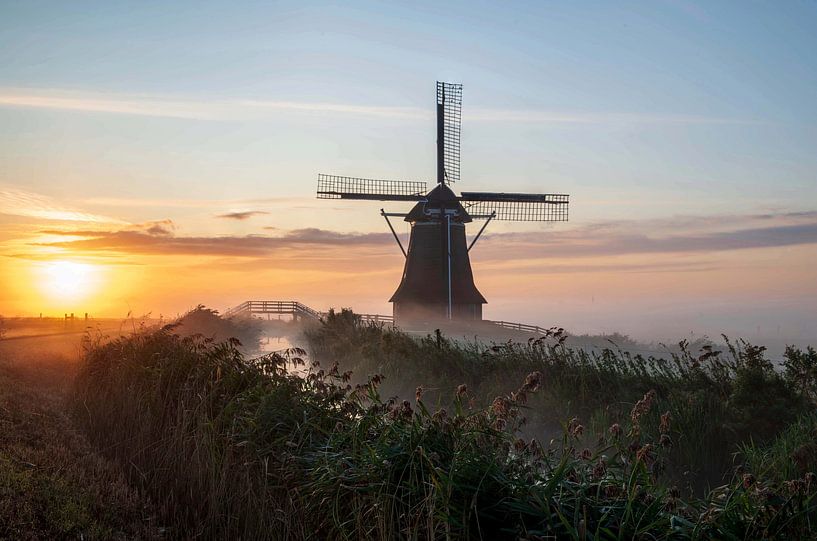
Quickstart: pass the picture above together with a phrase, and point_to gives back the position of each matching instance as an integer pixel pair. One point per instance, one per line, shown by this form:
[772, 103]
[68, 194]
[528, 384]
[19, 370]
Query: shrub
[211, 326]
[801, 370]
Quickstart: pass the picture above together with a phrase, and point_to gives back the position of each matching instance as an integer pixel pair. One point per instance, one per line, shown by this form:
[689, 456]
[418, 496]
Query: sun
[68, 280]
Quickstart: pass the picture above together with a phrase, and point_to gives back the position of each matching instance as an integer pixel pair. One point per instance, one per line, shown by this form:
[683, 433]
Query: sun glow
[68, 280]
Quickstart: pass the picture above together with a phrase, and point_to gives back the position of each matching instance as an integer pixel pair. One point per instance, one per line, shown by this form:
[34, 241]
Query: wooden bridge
[522, 327]
[301, 311]
[295, 309]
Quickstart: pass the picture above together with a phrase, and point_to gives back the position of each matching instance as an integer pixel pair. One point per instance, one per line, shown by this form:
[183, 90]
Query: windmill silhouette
[437, 281]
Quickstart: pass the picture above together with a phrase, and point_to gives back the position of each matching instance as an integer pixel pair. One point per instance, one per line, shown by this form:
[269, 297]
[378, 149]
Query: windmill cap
[443, 197]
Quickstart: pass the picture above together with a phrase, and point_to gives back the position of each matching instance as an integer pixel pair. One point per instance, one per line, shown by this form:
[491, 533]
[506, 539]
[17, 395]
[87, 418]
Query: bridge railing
[295, 308]
[273, 307]
[298, 309]
[306, 310]
[376, 318]
[519, 326]
[242, 308]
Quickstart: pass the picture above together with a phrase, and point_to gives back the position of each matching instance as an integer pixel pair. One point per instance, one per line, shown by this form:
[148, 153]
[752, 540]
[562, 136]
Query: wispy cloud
[145, 242]
[612, 239]
[131, 202]
[186, 107]
[242, 215]
[250, 109]
[32, 205]
[158, 228]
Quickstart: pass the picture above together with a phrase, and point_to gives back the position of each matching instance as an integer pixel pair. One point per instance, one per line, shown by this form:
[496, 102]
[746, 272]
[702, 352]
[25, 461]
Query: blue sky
[145, 111]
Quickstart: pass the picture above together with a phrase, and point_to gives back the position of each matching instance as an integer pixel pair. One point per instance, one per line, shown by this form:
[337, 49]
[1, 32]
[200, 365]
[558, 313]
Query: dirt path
[53, 485]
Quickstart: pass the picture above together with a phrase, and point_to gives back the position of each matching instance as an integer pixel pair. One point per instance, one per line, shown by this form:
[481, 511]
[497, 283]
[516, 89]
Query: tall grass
[237, 448]
[717, 398]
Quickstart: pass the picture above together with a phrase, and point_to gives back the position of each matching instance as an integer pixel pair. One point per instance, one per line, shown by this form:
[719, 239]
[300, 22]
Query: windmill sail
[337, 187]
[449, 127]
[517, 207]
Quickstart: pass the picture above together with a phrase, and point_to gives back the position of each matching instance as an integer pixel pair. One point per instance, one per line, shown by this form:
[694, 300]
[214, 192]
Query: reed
[230, 447]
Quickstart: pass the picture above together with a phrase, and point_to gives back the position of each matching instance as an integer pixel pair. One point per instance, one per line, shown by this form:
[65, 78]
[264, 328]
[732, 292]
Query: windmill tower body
[437, 281]
[435, 286]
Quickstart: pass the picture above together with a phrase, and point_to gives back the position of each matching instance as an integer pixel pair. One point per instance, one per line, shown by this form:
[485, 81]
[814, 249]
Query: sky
[155, 155]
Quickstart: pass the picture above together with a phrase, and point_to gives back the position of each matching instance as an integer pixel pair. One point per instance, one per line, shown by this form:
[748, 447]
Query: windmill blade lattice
[449, 95]
[338, 187]
[517, 207]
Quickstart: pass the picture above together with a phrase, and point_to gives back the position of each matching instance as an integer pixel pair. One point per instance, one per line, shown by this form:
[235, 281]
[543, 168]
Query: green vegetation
[229, 447]
[717, 400]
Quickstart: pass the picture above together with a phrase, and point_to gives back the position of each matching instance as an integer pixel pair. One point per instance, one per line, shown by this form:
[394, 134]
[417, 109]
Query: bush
[801, 370]
[208, 324]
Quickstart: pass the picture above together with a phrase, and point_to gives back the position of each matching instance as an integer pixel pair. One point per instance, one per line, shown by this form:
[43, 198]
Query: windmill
[437, 281]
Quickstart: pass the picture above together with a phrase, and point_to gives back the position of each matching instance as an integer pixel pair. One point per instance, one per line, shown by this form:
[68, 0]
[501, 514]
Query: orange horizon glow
[605, 293]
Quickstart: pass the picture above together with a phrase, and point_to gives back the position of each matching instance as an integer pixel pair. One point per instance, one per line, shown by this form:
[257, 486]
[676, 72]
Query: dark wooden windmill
[437, 279]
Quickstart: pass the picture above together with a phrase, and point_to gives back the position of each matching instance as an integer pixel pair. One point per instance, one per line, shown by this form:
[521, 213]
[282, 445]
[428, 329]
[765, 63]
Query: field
[369, 433]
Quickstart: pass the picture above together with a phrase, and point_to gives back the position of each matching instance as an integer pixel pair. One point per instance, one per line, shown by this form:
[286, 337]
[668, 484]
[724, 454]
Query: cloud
[158, 228]
[595, 240]
[241, 215]
[535, 267]
[610, 240]
[32, 205]
[153, 203]
[145, 242]
[184, 107]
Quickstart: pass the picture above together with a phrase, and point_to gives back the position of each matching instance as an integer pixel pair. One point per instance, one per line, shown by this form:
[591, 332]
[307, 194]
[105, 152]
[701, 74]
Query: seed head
[644, 454]
[406, 409]
[642, 407]
[532, 381]
[663, 428]
[795, 486]
[575, 428]
[499, 407]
